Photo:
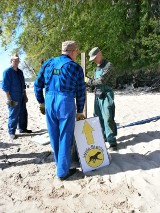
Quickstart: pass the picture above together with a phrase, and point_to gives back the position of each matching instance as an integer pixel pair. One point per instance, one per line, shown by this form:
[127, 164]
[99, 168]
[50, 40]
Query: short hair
[14, 56]
[69, 45]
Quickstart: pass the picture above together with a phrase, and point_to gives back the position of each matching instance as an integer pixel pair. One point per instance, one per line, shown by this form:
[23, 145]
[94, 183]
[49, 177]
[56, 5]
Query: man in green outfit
[104, 106]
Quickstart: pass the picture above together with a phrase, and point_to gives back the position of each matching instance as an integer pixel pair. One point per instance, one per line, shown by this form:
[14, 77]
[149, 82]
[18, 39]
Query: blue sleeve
[24, 84]
[41, 81]
[6, 82]
[81, 91]
[23, 80]
[39, 84]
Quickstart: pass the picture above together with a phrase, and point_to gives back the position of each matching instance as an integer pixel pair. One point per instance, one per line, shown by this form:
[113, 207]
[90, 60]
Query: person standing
[13, 84]
[63, 80]
[104, 106]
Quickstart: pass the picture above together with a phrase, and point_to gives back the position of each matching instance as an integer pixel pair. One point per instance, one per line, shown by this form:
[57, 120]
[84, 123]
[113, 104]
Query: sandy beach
[130, 184]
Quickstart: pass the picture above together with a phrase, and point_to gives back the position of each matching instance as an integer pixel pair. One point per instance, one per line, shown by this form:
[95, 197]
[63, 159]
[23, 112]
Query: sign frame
[90, 144]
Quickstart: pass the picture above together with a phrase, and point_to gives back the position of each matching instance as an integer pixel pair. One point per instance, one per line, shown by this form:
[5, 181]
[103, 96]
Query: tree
[128, 32]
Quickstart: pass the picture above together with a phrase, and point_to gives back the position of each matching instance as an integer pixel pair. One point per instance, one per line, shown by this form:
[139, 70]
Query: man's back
[63, 80]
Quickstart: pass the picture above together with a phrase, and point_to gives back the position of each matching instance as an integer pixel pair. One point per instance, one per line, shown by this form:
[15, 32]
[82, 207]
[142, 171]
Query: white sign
[90, 144]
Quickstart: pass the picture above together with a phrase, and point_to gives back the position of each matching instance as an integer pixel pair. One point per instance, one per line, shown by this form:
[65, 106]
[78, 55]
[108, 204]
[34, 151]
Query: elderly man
[104, 106]
[63, 80]
[13, 85]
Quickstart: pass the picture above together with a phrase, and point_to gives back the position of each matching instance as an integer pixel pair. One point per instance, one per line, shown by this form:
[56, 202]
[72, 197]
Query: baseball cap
[93, 53]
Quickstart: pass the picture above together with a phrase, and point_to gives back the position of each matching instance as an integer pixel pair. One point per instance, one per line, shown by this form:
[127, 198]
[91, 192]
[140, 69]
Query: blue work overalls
[18, 116]
[104, 108]
[13, 82]
[60, 115]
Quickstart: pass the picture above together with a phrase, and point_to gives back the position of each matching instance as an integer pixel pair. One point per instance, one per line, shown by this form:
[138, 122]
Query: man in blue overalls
[13, 85]
[63, 80]
[104, 106]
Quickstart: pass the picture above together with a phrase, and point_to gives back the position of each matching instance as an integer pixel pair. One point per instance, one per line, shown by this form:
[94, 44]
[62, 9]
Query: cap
[69, 45]
[93, 53]
[15, 56]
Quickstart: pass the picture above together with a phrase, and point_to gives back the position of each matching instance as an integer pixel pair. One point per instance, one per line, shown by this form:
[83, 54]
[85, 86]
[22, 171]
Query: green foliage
[128, 32]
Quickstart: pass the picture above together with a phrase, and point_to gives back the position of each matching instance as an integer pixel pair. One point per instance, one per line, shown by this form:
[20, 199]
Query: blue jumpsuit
[61, 88]
[14, 83]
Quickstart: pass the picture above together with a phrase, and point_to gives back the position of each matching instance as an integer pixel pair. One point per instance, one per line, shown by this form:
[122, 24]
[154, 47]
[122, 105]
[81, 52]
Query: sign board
[90, 144]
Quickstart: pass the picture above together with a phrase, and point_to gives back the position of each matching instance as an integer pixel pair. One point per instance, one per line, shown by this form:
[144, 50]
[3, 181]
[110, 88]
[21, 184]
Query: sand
[131, 183]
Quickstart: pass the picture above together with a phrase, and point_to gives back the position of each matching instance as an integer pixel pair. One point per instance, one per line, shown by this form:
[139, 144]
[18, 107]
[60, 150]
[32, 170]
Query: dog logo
[94, 157]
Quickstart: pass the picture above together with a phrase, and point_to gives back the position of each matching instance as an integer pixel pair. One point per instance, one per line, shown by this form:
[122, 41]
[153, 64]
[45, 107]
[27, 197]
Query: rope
[141, 122]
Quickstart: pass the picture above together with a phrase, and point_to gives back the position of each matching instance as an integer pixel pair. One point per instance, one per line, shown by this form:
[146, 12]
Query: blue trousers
[60, 116]
[18, 116]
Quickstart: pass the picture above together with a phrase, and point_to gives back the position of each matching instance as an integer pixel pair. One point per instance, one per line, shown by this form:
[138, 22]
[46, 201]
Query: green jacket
[104, 76]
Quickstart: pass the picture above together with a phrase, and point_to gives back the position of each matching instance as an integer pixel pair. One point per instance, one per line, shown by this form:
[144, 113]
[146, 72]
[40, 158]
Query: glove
[42, 108]
[11, 103]
[80, 116]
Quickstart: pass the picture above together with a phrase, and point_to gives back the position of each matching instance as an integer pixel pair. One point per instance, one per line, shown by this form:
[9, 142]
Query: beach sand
[130, 184]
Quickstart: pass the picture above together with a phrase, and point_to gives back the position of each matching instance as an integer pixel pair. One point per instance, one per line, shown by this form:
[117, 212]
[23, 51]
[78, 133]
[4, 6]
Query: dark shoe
[25, 131]
[71, 172]
[113, 147]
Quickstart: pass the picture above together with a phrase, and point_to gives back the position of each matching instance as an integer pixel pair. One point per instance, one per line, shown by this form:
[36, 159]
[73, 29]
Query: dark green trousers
[104, 108]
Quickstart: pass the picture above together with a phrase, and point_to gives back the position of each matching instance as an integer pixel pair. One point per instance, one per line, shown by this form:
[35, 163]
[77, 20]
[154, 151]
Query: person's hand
[11, 103]
[42, 108]
[80, 116]
[89, 82]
